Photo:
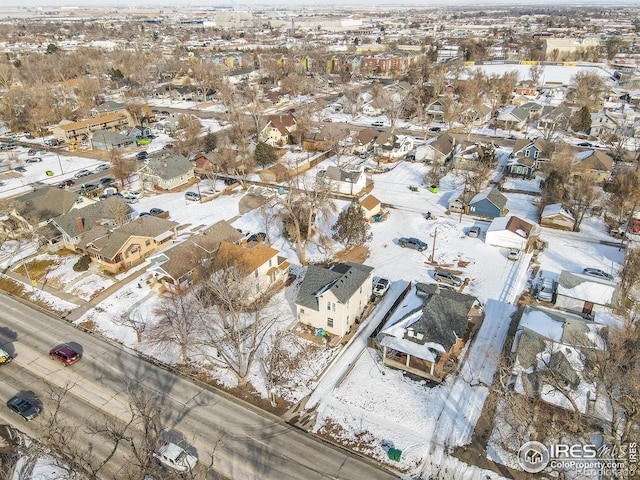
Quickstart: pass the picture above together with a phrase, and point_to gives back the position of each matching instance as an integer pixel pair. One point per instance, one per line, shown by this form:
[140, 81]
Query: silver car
[596, 272]
[447, 277]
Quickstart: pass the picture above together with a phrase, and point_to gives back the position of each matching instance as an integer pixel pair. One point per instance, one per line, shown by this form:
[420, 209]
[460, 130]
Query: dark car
[64, 354]
[230, 181]
[88, 187]
[66, 183]
[106, 180]
[414, 243]
[142, 155]
[435, 129]
[32, 152]
[156, 211]
[20, 169]
[144, 214]
[23, 407]
[33, 160]
[584, 144]
[257, 237]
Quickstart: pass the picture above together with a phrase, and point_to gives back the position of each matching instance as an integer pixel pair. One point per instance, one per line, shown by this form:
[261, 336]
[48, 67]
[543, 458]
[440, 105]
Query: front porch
[411, 364]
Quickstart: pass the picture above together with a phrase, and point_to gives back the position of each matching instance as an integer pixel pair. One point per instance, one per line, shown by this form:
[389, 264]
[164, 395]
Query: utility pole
[433, 247]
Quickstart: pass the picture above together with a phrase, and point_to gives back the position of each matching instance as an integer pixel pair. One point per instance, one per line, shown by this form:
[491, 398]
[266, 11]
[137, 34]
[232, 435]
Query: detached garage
[511, 232]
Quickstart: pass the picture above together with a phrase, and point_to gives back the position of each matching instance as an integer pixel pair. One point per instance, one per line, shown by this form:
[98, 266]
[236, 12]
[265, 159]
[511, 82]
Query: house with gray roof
[586, 295]
[166, 172]
[423, 339]
[349, 181]
[179, 266]
[109, 141]
[119, 248]
[490, 203]
[513, 118]
[333, 299]
[73, 225]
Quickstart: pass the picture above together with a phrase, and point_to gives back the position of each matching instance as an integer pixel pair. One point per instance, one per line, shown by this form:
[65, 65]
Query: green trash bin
[49, 173]
[394, 454]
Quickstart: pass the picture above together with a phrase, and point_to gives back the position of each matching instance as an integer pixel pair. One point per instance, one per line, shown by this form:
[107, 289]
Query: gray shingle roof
[109, 209]
[342, 279]
[444, 316]
[340, 175]
[46, 202]
[168, 167]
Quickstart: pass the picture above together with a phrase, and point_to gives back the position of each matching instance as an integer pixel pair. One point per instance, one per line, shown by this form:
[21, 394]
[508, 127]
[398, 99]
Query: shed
[555, 216]
[371, 206]
[511, 232]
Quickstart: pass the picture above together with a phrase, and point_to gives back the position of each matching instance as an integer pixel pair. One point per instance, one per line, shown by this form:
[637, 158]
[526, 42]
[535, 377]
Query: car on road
[327, 120]
[175, 457]
[102, 167]
[130, 199]
[20, 169]
[65, 354]
[88, 187]
[378, 123]
[412, 242]
[156, 211]
[23, 407]
[447, 277]
[584, 144]
[82, 173]
[33, 160]
[106, 180]
[596, 272]
[474, 232]
[66, 183]
[230, 181]
[5, 357]
[435, 129]
[380, 286]
[192, 196]
[514, 254]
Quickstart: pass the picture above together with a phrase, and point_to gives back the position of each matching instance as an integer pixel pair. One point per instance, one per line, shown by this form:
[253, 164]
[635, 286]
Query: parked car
[142, 155]
[144, 214]
[230, 181]
[584, 144]
[23, 407]
[88, 187]
[130, 199]
[20, 169]
[65, 354]
[106, 180]
[474, 232]
[192, 196]
[546, 290]
[447, 277]
[5, 357]
[156, 211]
[596, 272]
[175, 457]
[378, 123]
[135, 193]
[34, 160]
[66, 183]
[412, 242]
[102, 167]
[257, 237]
[514, 254]
[31, 152]
[82, 173]
[327, 120]
[435, 129]
[380, 286]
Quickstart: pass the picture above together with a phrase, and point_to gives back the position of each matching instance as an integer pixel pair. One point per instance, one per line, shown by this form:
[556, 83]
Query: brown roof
[598, 160]
[366, 135]
[92, 121]
[514, 224]
[247, 258]
[282, 122]
[369, 202]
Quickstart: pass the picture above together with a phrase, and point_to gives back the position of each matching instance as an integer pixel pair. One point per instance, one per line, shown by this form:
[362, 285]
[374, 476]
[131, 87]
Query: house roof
[81, 220]
[443, 144]
[370, 202]
[247, 258]
[92, 121]
[111, 138]
[593, 160]
[366, 136]
[342, 279]
[168, 167]
[589, 289]
[444, 318]
[543, 146]
[518, 113]
[45, 202]
[109, 241]
[513, 224]
[283, 123]
[494, 196]
[338, 174]
[555, 209]
[184, 257]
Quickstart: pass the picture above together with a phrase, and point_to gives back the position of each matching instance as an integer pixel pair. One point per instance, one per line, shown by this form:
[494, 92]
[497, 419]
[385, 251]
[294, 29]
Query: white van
[546, 289]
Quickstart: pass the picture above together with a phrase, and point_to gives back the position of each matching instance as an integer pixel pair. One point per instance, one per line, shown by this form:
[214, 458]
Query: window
[330, 322]
[328, 305]
[147, 243]
[255, 274]
[333, 307]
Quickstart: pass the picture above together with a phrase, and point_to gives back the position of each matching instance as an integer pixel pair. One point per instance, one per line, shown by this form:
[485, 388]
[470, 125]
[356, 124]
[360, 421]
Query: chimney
[139, 219]
[165, 164]
[80, 223]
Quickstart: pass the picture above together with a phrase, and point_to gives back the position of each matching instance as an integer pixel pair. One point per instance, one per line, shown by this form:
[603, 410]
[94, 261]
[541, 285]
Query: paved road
[248, 444]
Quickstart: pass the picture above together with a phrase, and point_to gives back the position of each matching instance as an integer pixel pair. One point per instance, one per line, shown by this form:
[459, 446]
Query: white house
[342, 180]
[555, 216]
[511, 232]
[334, 298]
[585, 295]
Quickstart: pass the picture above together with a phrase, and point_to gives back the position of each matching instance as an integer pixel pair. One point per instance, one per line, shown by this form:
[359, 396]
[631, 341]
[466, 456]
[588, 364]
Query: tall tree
[352, 227]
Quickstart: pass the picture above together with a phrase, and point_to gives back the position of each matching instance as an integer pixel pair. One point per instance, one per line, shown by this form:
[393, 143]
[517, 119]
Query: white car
[130, 199]
[82, 173]
[596, 272]
[176, 457]
[135, 194]
[102, 167]
[380, 286]
[514, 254]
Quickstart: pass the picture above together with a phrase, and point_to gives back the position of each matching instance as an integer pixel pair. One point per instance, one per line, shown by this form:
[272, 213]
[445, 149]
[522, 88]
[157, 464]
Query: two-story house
[528, 156]
[595, 165]
[391, 146]
[166, 172]
[333, 299]
[278, 129]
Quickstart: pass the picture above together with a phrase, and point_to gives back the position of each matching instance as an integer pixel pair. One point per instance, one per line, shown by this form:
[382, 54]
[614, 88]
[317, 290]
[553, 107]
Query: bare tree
[188, 135]
[587, 90]
[581, 197]
[134, 320]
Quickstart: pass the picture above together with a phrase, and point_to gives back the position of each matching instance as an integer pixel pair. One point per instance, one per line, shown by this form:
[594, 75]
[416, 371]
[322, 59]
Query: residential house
[110, 141]
[585, 295]
[555, 216]
[278, 129]
[80, 131]
[179, 266]
[513, 118]
[333, 299]
[391, 147]
[371, 206]
[116, 248]
[364, 140]
[458, 202]
[552, 357]
[166, 172]
[275, 173]
[528, 156]
[490, 203]
[439, 149]
[594, 165]
[107, 108]
[74, 224]
[205, 163]
[348, 181]
[479, 115]
[534, 108]
[554, 120]
[512, 232]
[435, 111]
[325, 138]
[277, 98]
[372, 110]
[261, 266]
[605, 123]
[424, 339]
[468, 157]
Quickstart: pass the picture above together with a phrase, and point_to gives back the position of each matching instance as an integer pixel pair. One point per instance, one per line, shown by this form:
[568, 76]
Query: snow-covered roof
[584, 287]
[555, 209]
[410, 348]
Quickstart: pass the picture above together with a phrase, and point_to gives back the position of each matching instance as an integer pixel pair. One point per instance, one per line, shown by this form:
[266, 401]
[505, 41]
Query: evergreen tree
[352, 228]
[582, 120]
[209, 142]
[265, 154]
